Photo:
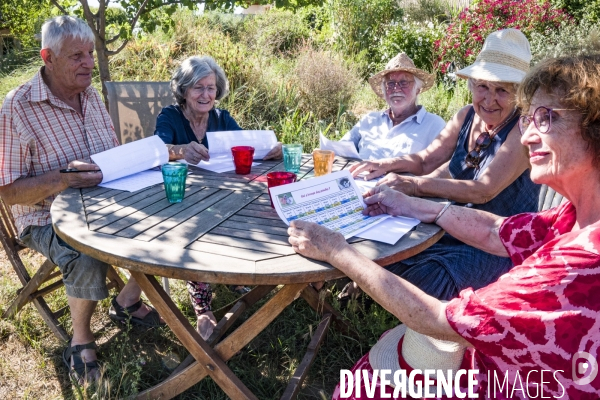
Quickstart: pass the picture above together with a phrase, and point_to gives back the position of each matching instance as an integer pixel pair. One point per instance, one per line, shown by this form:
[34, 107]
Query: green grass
[31, 365]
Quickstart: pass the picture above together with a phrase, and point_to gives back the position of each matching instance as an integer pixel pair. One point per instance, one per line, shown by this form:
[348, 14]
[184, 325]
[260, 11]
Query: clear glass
[174, 176]
[292, 157]
[323, 161]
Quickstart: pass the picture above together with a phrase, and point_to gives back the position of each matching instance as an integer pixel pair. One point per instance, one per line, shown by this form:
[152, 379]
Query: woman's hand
[315, 241]
[373, 168]
[402, 183]
[384, 200]
[195, 152]
[276, 153]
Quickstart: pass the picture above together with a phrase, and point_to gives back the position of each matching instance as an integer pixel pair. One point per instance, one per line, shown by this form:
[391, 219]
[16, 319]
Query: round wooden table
[224, 231]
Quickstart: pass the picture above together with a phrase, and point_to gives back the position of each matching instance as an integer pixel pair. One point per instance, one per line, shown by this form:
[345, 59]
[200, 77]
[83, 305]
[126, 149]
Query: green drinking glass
[174, 175]
[292, 157]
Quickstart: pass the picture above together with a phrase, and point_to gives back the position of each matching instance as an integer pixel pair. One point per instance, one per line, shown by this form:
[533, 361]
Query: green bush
[570, 39]
[581, 10]
[275, 32]
[359, 27]
[416, 39]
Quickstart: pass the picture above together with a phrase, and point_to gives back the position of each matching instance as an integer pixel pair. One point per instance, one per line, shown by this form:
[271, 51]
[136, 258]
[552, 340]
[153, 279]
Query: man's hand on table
[82, 180]
[373, 169]
[276, 153]
[315, 241]
[402, 183]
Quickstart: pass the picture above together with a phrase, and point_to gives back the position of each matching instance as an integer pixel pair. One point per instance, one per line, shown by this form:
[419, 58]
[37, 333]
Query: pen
[73, 170]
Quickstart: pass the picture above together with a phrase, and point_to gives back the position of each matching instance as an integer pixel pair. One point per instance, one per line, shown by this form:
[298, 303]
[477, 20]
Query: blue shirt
[173, 128]
[376, 137]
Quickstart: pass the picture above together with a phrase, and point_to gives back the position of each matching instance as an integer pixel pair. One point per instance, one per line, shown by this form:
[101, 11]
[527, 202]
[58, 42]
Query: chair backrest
[549, 198]
[134, 106]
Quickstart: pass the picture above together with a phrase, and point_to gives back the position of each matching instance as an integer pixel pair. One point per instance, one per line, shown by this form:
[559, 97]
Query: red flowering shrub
[467, 31]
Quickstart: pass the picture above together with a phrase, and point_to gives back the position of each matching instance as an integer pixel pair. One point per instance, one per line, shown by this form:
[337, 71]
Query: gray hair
[472, 82]
[57, 29]
[193, 69]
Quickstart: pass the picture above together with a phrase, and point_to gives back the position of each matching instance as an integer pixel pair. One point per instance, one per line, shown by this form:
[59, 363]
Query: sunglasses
[542, 119]
[392, 85]
[473, 158]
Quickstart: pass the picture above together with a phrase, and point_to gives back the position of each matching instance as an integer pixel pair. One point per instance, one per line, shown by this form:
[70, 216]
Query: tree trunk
[103, 68]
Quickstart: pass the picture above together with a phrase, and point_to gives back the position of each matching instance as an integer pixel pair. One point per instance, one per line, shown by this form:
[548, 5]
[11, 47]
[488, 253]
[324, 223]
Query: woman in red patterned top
[536, 325]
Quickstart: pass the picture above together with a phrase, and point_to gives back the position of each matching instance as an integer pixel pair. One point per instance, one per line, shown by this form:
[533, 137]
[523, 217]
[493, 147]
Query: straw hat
[505, 57]
[401, 62]
[418, 351]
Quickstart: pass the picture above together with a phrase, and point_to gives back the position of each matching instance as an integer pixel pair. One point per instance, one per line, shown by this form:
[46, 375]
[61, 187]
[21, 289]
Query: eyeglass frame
[403, 84]
[532, 118]
[479, 147]
[205, 89]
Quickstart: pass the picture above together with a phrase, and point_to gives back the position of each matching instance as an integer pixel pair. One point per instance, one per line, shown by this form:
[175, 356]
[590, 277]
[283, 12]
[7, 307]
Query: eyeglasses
[208, 89]
[542, 118]
[474, 157]
[391, 85]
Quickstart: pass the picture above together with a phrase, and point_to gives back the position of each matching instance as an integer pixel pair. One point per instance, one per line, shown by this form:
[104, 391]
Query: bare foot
[206, 324]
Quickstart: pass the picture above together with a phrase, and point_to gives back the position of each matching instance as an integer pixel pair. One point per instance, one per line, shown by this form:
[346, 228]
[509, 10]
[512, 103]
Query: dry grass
[325, 81]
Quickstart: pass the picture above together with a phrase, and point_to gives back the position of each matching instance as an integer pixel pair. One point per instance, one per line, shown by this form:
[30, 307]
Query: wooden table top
[224, 231]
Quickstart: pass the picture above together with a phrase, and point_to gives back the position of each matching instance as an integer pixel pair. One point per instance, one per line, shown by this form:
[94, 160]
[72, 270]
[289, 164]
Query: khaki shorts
[84, 277]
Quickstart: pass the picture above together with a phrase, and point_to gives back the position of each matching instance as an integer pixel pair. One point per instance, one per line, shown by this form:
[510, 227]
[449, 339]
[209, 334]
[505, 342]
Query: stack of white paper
[125, 164]
[218, 165]
[390, 230]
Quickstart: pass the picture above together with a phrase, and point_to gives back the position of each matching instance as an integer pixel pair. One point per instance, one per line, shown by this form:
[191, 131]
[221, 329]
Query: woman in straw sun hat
[478, 161]
[535, 331]
[404, 127]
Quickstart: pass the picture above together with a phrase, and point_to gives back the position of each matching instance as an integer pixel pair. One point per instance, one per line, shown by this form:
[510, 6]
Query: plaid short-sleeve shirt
[40, 133]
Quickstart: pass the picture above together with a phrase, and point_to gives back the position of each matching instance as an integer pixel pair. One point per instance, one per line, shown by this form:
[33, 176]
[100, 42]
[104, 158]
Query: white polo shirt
[376, 137]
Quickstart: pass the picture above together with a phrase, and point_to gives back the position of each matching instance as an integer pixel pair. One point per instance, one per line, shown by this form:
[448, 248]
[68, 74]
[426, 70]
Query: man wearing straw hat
[405, 127]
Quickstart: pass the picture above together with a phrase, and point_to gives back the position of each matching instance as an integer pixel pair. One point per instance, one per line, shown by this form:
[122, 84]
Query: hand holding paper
[342, 149]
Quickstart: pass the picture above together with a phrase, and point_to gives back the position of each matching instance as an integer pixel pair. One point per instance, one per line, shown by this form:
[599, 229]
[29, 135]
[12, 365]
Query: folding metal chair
[46, 279]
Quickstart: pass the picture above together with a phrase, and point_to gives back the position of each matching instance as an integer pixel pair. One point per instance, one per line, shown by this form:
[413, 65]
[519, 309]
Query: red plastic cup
[242, 159]
[278, 179]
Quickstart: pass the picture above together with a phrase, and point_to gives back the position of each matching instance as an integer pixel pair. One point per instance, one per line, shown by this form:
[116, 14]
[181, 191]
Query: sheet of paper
[218, 165]
[342, 149]
[333, 201]
[135, 182]
[390, 230]
[364, 186]
[221, 142]
[131, 158]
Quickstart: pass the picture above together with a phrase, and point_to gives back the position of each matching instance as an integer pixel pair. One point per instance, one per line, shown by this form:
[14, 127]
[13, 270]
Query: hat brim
[492, 72]
[375, 81]
[384, 355]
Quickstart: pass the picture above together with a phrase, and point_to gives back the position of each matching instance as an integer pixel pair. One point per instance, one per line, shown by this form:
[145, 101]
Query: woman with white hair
[478, 161]
[197, 84]
[403, 128]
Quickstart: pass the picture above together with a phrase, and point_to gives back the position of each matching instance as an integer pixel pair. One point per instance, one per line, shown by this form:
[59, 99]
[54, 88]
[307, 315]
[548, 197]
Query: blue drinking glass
[174, 175]
[292, 157]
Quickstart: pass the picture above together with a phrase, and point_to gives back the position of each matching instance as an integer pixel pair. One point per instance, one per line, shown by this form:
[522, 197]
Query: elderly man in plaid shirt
[54, 121]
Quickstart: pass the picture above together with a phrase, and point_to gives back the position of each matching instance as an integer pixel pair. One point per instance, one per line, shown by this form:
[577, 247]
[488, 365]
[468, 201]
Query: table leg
[320, 306]
[225, 349]
[226, 316]
[295, 383]
[211, 362]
